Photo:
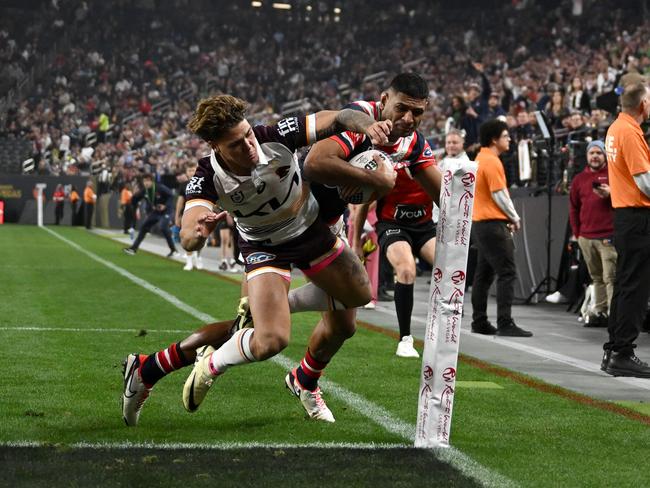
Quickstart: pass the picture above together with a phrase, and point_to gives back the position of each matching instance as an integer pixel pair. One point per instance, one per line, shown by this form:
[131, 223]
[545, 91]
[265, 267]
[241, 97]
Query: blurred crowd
[117, 99]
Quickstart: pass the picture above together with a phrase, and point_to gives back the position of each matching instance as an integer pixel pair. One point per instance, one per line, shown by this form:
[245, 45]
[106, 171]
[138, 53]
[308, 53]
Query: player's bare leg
[346, 283]
[267, 295]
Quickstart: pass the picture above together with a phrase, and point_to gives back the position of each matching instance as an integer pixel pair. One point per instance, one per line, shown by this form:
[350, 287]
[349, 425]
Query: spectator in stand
[477, 101]
[90, 197]
[493, 109]
[579, 97]
[59, 200]
[591, 216]
[556, 109]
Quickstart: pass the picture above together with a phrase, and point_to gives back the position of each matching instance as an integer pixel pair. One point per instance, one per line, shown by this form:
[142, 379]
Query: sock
[404, 307]
[161, 363]
[310, 298]
[309, 371]
[235, 351]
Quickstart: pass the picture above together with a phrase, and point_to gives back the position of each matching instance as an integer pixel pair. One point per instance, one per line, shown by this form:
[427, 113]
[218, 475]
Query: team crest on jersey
[237, 197]
[195, 185]
[282, 172]
[259, 257]
[427, 152]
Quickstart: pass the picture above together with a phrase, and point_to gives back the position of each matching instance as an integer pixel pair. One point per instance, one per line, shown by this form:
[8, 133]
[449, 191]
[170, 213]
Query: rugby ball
[366, 160]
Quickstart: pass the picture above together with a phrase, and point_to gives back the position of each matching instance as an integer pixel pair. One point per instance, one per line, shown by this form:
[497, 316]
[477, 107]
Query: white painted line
[641, 383]
[457, 459]
[374, 412]
[138, 281]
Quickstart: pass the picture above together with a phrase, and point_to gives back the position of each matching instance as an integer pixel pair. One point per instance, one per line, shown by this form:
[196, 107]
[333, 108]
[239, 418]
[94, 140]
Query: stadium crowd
[120, 101]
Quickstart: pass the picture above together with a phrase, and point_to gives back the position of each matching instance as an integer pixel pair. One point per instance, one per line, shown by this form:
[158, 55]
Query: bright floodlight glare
[308, 8]
[337, 10]
[254, 3]
[282, 6]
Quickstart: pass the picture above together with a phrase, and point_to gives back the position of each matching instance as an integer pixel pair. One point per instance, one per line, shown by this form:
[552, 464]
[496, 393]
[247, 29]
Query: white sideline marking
[455, 458]
[543, 353]
[72, 329]
[210, 447]
[138, 281]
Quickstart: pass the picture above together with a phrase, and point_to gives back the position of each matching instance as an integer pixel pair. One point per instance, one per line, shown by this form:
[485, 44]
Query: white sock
[237, 350]
[310, 298]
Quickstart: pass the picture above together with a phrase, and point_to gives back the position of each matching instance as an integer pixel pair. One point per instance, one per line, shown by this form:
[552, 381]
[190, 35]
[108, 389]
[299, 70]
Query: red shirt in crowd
[590, 215]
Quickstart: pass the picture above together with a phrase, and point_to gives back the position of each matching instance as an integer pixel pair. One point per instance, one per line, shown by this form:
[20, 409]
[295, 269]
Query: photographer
[591, 217]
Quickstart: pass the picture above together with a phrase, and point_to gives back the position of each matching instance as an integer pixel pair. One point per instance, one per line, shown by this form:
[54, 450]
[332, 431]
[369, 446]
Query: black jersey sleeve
[293, 132]
[200, 190]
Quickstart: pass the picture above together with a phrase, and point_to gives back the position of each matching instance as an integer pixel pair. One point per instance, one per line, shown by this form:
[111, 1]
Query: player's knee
[406, 275]
[269, 345]
[362, 295]
[347, 330]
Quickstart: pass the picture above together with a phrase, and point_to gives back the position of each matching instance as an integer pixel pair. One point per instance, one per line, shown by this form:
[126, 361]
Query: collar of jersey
[230, 181]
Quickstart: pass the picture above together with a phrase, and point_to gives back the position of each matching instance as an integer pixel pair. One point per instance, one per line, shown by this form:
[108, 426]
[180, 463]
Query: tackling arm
[325, 164]
[330, 122]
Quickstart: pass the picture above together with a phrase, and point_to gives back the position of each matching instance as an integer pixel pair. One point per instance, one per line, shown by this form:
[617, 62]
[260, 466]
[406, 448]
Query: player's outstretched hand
[207, 222]
[379, 131]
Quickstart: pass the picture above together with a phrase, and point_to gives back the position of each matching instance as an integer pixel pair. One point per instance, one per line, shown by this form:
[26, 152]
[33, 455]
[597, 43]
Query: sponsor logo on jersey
[259, 257]
[237, 197]
[409, 212]
[392, 232]
[195, 185]
[285, 126]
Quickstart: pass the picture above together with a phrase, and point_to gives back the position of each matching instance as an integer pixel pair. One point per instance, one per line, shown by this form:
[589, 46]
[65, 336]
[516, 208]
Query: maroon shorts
[310, 252]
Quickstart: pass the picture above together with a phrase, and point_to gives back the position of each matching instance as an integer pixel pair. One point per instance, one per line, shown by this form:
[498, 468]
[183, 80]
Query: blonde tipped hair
[634, 89]
[215, 115]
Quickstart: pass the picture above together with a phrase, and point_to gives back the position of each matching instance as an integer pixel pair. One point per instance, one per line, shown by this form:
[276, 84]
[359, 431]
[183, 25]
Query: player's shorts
[310, 252]
[416, 236]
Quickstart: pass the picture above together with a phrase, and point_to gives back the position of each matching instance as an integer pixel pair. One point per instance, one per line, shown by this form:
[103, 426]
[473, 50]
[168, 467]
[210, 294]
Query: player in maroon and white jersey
[254, 175]
[404, 215]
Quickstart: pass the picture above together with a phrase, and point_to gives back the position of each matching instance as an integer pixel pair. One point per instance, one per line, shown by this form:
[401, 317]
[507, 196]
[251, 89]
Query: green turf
[64, 387]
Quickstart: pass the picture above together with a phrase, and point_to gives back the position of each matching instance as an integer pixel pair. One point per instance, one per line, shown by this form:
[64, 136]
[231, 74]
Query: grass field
[68, 318]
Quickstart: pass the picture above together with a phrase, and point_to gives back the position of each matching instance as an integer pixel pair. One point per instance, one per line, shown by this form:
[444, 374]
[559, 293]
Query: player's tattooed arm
[329, 123]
